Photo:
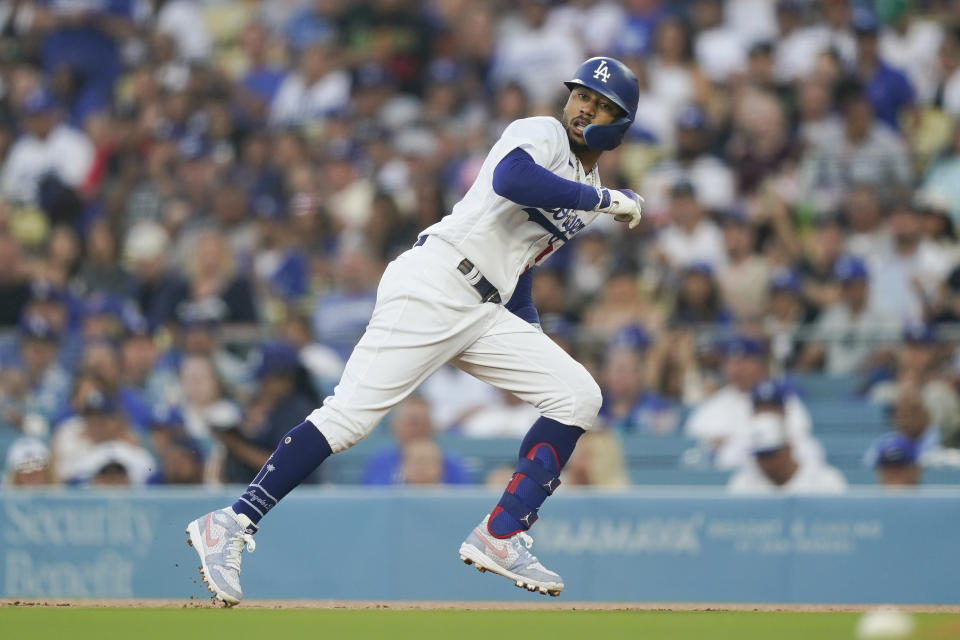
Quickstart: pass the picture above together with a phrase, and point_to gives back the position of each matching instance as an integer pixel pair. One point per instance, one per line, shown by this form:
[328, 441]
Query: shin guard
[543, 453]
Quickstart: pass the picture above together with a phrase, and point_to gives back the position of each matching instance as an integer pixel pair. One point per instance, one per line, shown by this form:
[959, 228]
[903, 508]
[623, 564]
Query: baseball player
[443, 301]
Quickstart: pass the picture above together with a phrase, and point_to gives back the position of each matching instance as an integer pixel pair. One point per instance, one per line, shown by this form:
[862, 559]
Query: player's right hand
[623, 204]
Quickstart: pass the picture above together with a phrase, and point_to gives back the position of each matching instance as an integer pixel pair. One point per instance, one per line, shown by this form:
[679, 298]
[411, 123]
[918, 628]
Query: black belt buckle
[488, 292]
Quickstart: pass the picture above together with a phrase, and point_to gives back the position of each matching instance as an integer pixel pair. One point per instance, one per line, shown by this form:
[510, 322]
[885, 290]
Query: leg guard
[544, 451]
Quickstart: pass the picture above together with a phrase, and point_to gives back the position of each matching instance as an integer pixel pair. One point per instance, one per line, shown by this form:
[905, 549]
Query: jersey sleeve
[542, 138]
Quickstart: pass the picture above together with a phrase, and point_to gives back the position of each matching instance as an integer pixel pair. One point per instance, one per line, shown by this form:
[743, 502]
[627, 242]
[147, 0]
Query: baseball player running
[443, 301]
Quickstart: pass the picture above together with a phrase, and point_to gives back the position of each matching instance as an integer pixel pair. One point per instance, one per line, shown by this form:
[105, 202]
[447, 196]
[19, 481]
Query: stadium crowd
[197, 200]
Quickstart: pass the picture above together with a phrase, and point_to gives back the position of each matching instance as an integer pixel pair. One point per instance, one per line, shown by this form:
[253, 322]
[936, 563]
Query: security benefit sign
[73, 546]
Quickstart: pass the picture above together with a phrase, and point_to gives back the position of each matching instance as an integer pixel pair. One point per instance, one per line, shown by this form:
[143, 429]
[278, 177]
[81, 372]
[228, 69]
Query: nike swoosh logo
[206, 532]
[500, 552]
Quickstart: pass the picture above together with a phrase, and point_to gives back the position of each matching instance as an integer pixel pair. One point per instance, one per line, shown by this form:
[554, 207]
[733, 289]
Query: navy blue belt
[488, 292]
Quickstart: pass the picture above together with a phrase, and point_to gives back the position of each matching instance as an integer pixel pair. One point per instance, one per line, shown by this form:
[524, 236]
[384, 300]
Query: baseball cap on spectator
[691, 117]
[145, 241]
[38, 101]
[769, 392]
[194, 147]
[96, 402]
[198, 315]
[631, 337]
[768, 433]
[736, 216]
[683, 187]
[744, 347]
[785, 281]
[276, 357]
[27, 455]
[919, 334]
[699, 268]
[135, 461]
[101, 303]
[443, 71]
[44, 291]
[864, 22]
[896, 450]
[850, 268]
[34, 326]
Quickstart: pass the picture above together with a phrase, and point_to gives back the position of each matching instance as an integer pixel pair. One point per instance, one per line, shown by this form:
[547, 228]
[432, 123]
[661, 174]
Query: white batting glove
[623, 204]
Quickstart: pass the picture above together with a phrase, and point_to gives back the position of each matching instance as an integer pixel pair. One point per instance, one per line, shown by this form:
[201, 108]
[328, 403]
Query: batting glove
[623, 204]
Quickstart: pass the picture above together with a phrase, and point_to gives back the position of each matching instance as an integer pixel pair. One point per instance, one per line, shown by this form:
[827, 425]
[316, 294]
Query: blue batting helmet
[614, 81]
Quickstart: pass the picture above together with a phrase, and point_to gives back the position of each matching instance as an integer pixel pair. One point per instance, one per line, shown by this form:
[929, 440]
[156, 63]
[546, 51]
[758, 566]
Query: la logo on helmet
[601, 72]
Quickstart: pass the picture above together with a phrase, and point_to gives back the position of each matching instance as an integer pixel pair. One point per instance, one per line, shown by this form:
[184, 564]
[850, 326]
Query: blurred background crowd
[197, 199]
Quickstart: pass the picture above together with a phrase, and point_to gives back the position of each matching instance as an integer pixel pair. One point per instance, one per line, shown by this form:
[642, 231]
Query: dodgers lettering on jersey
[501, 237]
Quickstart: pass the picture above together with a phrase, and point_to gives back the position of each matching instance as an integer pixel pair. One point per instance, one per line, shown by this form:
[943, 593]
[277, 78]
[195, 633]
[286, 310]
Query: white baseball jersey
[428, 314]
[501, 237]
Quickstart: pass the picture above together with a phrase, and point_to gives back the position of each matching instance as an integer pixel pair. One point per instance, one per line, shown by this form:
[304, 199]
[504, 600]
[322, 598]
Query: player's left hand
[623, 204]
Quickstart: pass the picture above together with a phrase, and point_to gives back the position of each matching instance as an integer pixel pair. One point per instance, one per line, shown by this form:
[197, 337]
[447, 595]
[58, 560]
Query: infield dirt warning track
[447, 605]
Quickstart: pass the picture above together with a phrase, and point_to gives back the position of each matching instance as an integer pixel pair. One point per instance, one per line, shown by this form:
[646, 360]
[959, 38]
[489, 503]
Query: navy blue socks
[543, 453]
[300, 451]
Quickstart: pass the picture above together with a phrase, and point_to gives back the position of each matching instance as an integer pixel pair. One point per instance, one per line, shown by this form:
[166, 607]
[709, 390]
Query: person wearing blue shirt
[888, 89]
[410, 424]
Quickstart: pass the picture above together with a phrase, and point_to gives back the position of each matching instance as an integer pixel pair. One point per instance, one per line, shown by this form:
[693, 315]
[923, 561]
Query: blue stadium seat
[818, 386]
[847, 416]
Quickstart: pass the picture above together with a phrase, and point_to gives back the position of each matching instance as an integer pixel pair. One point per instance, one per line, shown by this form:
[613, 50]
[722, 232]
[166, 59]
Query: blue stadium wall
[640, 545]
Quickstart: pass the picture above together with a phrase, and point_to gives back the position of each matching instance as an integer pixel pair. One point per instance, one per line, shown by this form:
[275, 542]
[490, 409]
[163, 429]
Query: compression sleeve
[521, 302]
[518, 178]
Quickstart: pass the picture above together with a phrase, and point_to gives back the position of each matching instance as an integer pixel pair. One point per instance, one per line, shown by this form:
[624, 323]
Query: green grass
[77, 623]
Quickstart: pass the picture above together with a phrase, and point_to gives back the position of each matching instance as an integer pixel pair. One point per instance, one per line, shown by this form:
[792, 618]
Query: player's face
[585, 107]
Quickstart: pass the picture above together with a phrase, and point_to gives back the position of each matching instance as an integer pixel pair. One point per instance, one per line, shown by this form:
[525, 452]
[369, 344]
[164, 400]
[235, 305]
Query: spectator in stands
[14, 282]
[896, 461]
[699, 302]
[777, 470]
[849, 332]
[911, 419]
[713, 181]
[535, 51]
[904, 280]
[721, 53]
[28, 464]
[629, 404]
[315, 91]
[35, 384]
[744, 277]
[889, 90]
[421, 463]
[49, 158]
[788, 315]
[825, 247]
[115, 463]
[341, 315]
[267, 416]
[97, 421]
[597, 462]
[101, 270]
[214, 283]
[720, 422]
[919, 367]
[412, 424]
[691, 236]
[858, 151]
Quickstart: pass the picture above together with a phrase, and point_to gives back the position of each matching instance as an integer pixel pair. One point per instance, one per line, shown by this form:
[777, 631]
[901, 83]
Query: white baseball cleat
[219, 538]
[510, 558]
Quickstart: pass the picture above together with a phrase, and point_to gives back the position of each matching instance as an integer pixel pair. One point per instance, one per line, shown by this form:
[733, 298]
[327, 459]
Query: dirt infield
[473, 606]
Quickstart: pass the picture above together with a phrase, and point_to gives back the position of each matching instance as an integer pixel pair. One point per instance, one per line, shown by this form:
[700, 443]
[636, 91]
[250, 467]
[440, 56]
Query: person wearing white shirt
[776, 470]
[46, 147]
[690, 237]
[317, 90]
[720, 50]
[720, 421]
